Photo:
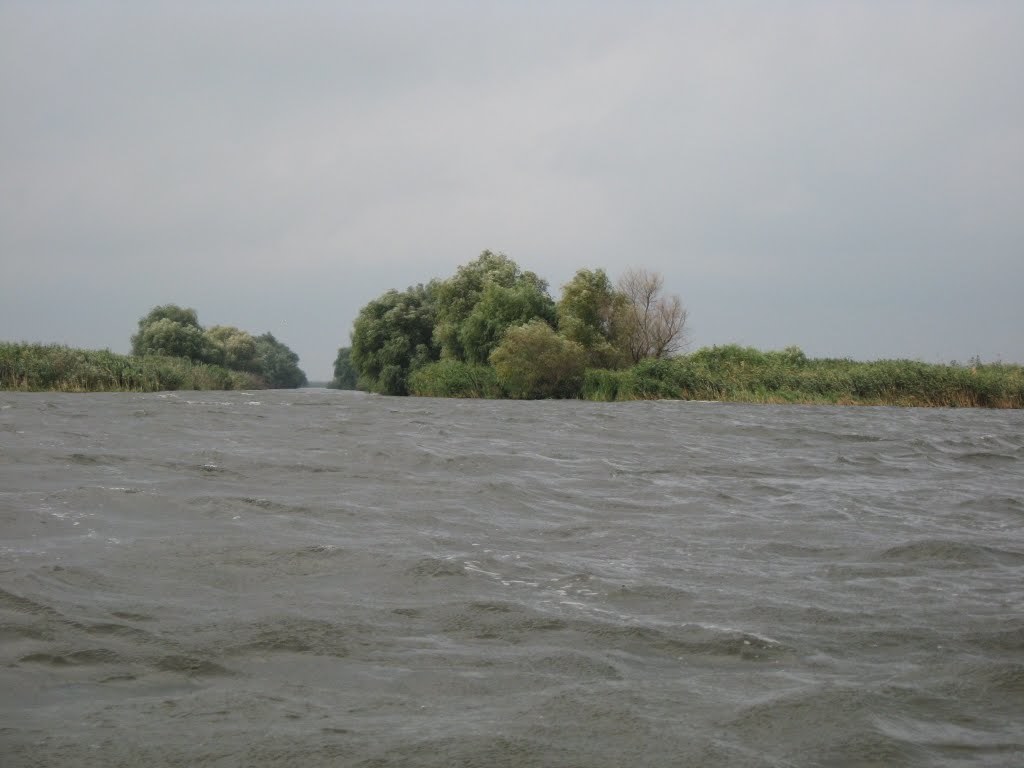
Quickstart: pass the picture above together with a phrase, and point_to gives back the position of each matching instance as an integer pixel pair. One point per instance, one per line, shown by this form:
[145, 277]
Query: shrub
[454, 378]
[533, 361]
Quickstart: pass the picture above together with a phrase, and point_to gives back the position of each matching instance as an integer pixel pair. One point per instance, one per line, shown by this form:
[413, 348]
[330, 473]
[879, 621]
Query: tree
[232, 348]
[170, 330]
[183, 315]
[590, 313]
[169, 338]
[277, 364]
[458, 297]
[345, 374]
[534, 362]
[499, 309]
[175, 331]
[652, 325]
[393, 335]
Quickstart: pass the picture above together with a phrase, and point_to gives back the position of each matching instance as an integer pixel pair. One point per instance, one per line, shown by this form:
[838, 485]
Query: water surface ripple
[326, 578]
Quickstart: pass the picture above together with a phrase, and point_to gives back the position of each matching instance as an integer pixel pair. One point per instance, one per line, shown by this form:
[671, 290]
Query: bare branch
[653, 325]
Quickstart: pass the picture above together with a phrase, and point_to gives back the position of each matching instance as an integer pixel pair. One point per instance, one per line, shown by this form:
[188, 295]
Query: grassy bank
[739, 374]
[50, 367]
[742, 374]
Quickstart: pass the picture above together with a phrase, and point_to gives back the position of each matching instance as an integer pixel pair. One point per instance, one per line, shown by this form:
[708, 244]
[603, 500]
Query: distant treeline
[170, 351]
[493, 331]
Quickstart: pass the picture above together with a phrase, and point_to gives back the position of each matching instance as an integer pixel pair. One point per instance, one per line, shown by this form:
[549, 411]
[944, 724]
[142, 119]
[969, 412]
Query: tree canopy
[493, 315]
[393, 335]
[164, 336]
[174, 331]
[459, 297]
[345, 374]
[591, 313]
[231, 347]
[278, 364]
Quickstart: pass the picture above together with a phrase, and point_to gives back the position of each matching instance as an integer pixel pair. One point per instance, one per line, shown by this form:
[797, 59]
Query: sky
[847, 177]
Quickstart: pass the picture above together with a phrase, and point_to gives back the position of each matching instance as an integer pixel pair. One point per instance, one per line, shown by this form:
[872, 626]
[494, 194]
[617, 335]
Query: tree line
[495, 328]
[172, 331]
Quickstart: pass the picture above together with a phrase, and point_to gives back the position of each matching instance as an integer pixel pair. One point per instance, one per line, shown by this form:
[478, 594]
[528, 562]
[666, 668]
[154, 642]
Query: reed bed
[742, 374]
[52, 367]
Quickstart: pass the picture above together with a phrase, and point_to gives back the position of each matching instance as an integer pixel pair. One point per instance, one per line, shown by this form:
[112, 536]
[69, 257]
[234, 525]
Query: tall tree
[393, 335]
[277, 363]
[345, 374]
[170, 330]
[653, 325]
[458, 297]
[499, 309]
[232, 348]
[590, 312]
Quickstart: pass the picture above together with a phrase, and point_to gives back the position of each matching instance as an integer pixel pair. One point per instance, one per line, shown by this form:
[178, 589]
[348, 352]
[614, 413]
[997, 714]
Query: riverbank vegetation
[51, 367]
[170, 351]
[742, 374]
[493, 330]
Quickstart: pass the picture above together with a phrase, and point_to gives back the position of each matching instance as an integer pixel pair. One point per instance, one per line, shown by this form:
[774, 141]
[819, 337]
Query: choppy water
[321, 578]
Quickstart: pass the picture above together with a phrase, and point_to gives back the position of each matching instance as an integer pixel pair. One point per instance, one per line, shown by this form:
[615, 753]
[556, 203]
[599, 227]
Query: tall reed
[52, 367]
[744, 374]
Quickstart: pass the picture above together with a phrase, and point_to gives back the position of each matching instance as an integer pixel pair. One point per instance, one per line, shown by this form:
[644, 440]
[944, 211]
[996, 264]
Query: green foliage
[745, 374]
[535, 362]
[609, 385]
[172, 331]
[436, 340]
[277, 364]
[458, 297]
[231, 347]
[49, 367]
[454, 378]
[498, 309]
[392, 336]
[171, 339]
[172, 312]
[589, 313]
[345, 374]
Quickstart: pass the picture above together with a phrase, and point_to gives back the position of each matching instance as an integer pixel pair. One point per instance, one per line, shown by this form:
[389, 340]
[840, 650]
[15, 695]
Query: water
[321, 578]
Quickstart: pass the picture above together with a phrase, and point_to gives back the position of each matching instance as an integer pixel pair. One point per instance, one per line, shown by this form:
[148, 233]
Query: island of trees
[170, 351]
[493, 330]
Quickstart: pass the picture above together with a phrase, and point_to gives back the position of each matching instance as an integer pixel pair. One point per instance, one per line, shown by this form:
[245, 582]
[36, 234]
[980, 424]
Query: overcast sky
[846, 177]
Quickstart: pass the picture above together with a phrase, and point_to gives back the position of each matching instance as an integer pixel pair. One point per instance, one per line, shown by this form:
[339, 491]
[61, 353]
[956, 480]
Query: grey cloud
[810, 173]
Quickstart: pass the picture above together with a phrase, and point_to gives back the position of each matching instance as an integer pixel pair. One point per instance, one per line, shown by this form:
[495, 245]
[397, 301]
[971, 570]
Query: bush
[454, 378]
[533, 362]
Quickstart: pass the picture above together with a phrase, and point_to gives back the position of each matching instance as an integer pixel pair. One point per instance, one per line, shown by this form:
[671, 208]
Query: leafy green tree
[345, 374]
[172, 339]
[175, 331]
[183, 315]
[498, 309]
[589, 313]
[232, 348]
[170, 330]
[535, 362]
[458, 296]
[277, 364]
[393, 335]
